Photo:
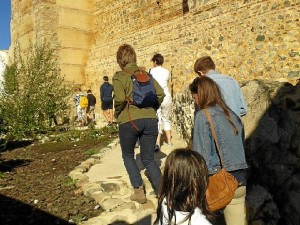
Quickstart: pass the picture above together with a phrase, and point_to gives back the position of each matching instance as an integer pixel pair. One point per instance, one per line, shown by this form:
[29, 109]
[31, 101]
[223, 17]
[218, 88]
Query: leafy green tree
[33, 91]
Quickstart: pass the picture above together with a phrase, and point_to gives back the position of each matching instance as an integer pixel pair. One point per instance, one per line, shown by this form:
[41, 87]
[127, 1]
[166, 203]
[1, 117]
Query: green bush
[113, 129]
[33, 91]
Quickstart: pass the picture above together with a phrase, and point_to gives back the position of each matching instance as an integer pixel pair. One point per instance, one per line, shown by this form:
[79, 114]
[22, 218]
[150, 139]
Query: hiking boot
[157, 148]
[139, 195]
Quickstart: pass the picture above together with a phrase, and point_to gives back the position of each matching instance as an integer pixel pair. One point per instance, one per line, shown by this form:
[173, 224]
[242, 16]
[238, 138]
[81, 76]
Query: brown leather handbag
[222, 185]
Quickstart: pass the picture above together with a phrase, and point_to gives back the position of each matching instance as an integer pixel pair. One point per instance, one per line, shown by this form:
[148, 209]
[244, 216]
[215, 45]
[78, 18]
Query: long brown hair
[183, 185]
[209, 95]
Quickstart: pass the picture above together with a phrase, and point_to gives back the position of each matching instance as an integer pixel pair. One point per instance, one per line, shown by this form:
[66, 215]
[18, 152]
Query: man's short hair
[158, 59]
[89, 91]
[105, 78]
[125, 55]
[204, 64]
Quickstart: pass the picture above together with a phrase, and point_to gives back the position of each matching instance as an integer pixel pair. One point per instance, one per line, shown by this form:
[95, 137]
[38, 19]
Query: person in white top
[162, 75]
[181, 198]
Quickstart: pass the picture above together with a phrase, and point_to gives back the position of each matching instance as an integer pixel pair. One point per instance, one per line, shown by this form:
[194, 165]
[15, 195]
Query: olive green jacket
[123, 87]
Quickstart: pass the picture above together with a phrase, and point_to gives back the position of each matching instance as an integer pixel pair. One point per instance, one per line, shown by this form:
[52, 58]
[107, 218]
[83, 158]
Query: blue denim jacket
[231, 145]
[231, 92]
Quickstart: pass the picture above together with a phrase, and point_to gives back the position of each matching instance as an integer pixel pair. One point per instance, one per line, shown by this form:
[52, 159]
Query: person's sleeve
[243, 107]
[101, 92]
[120, 98]
[89, 100]
[168, 76]
[112, 92]
[202, 136]
[159, 92]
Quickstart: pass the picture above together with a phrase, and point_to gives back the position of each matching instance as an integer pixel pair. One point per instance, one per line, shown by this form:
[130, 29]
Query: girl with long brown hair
[181, 198]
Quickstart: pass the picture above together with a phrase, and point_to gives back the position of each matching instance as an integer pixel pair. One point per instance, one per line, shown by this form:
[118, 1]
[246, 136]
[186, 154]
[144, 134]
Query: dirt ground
[35, 187]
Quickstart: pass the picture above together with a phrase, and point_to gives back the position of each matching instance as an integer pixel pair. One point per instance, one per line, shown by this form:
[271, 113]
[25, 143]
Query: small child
[181, 198]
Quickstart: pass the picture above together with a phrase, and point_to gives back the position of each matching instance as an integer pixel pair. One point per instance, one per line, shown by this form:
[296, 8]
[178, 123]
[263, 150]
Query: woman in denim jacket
[229, 132]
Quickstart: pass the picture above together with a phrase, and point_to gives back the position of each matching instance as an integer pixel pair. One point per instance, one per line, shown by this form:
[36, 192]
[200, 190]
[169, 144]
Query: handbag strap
[214, 135]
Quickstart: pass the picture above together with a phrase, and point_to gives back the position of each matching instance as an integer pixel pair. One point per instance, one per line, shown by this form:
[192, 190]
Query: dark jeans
[147, 134]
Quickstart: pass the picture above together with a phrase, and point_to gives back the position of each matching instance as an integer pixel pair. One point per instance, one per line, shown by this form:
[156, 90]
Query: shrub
[33, 91]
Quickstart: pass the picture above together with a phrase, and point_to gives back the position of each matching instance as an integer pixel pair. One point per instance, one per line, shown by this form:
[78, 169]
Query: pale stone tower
[67, 24]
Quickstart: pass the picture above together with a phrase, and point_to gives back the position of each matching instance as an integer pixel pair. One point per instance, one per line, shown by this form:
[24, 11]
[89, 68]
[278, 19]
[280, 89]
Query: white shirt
[197, 218]
[161, 75]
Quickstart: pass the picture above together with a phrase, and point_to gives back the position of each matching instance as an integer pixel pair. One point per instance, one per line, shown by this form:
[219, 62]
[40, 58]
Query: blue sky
[5, 12]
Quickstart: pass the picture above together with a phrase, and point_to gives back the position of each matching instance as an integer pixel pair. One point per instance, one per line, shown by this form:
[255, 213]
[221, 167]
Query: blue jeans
[147, 134]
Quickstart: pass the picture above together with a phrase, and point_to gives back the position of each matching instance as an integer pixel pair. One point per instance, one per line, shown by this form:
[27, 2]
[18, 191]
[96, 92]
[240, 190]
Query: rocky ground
[35, 187]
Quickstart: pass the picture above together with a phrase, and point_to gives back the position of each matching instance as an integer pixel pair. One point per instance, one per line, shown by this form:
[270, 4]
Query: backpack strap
[128, 99]
[214, 135]
[130, 120]
[130, 102]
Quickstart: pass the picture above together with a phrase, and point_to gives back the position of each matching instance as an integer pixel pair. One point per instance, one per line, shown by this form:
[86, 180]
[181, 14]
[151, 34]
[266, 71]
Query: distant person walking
[135, 122]
[162, 76]
[229, 87]
[90, 110]
[106, 90]
[79, 110]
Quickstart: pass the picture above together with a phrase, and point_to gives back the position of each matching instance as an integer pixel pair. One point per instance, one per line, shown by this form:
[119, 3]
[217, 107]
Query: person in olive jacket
[135, 123]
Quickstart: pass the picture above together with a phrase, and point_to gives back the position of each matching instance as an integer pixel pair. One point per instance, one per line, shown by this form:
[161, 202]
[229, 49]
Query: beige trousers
[235, 211]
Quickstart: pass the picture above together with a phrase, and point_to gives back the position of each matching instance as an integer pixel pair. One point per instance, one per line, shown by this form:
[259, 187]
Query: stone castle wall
[248, 39]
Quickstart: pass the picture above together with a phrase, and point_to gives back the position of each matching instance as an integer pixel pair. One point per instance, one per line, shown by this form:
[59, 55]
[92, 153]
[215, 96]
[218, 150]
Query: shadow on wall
[273, 152]
[272, 148]
[25, 214]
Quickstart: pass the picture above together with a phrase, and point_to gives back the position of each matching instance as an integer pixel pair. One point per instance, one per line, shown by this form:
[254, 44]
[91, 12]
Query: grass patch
[84, 144]
[76, 139]
[70, 182]
[92, 151]
[2, 175]
[113, 129]
[78, 218]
